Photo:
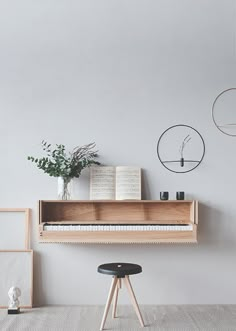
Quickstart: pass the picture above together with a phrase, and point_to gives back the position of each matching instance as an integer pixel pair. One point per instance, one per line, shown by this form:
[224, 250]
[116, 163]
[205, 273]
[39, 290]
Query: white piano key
[118, 227]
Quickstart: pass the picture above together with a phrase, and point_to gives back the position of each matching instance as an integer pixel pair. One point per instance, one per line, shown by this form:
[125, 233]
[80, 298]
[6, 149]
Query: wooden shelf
[140, 212]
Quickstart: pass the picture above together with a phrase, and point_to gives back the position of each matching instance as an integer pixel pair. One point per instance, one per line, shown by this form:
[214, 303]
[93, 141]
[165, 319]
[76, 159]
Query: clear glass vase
[64, 188]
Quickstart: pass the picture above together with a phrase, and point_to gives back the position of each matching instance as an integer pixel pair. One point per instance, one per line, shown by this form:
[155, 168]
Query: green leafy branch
[58, 163]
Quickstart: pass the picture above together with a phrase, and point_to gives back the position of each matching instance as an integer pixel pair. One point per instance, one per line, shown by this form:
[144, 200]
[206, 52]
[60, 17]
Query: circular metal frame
[213, 108]
[198, 162]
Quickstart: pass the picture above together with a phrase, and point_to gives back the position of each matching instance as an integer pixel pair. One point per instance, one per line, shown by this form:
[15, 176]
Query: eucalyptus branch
[58, 163]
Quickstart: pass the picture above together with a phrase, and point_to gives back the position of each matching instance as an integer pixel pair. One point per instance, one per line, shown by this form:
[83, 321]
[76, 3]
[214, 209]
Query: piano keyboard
[117, 227]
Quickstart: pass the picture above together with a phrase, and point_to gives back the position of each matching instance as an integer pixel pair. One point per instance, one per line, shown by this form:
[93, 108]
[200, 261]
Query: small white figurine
[14, 303]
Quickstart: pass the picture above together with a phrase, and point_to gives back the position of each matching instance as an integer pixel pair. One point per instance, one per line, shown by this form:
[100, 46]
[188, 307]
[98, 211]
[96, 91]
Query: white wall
[119, 73]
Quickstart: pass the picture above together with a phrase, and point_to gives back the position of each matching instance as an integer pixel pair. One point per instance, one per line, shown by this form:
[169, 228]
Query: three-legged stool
[120, 271]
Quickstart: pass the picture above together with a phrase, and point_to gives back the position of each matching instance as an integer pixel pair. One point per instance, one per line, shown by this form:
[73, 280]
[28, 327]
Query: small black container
[164, 195]
[179, 195]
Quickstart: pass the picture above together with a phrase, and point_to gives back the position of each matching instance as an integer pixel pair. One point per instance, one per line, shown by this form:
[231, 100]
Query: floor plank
[156, 318]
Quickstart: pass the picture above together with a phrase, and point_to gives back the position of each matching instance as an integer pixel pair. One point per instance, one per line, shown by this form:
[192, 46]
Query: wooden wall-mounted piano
[109, 221]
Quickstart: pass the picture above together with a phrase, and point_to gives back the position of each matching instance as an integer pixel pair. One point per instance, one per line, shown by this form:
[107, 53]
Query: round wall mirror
[224, 112]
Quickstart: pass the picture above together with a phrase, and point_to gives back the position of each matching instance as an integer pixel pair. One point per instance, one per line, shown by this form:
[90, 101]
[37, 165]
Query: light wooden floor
[88, 318]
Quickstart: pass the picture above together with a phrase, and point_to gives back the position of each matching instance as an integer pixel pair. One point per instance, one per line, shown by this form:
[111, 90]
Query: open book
[115, 183]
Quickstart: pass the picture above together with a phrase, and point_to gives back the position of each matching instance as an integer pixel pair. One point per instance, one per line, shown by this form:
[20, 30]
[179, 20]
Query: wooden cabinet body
[118, 213]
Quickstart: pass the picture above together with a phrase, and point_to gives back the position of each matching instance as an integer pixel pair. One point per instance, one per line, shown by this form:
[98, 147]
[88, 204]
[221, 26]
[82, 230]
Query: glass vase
[64, 188]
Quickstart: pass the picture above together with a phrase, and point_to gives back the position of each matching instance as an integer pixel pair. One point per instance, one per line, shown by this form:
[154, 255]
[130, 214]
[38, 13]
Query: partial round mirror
[224, 112]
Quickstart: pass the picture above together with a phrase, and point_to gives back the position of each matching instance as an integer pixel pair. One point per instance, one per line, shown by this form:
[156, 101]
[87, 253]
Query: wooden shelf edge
[117, 201]
[192, 241]
[120, 238]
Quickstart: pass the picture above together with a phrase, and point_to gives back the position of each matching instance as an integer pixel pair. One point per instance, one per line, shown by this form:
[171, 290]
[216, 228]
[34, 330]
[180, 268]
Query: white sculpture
[14, 294]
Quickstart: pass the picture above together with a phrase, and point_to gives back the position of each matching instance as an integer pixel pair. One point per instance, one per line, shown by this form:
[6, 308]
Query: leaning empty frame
[16, 265]
[11, 237]
[16, 270]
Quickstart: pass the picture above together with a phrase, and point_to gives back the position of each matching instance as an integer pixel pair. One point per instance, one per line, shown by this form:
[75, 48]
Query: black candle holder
[179, 195]
[164, 195]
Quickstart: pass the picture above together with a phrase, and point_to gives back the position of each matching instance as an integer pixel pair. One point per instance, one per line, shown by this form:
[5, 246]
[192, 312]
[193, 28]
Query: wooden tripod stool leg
[133, 300]
[109, 299]
[119, 283]
[118, 286]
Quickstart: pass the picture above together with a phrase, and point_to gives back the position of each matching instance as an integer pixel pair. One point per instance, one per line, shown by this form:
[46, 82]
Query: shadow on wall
[38, 288]
[214, 226]
[146, 194]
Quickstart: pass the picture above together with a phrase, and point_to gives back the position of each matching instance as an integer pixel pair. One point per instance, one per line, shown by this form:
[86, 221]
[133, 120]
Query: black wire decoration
[182, 161]
[226, 125]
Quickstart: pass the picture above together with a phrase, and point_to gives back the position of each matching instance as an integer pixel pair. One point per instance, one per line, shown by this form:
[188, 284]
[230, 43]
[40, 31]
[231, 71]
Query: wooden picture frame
[17, 266]
[27, 222]
[16, 270]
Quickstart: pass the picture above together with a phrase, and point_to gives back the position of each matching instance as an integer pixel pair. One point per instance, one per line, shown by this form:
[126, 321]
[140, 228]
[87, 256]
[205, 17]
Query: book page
[128, 183]
[102, 183]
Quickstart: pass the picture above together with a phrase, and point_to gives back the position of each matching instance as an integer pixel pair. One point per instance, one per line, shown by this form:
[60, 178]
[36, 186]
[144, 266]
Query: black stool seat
[119, 269]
